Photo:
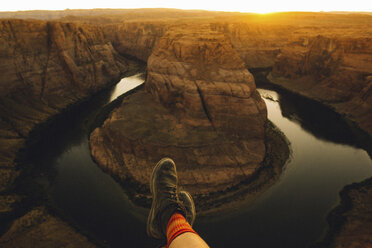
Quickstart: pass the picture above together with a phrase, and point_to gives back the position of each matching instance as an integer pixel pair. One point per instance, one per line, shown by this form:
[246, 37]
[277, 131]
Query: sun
[260, 6]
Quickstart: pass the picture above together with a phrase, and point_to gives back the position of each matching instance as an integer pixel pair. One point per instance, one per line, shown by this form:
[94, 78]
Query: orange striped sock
[177, 225]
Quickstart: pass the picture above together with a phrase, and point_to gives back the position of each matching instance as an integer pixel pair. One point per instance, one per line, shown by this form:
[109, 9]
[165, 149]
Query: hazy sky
[260, 6]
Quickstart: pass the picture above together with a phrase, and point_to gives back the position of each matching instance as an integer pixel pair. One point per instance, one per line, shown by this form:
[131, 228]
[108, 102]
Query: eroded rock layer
[335, 71]
[44, 67]
[198, 75]
[351, 221]
[200, 107]
[38, 228]
[135, 38]
[325, 57]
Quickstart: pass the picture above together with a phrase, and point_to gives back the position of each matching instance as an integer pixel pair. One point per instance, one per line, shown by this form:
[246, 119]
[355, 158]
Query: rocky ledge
[336, 71]
[45, 67]
[200, 107]
[351, 221]
[38, 228]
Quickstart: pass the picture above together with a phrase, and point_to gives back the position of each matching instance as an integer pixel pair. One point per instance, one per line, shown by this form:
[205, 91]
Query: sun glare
[261, 6]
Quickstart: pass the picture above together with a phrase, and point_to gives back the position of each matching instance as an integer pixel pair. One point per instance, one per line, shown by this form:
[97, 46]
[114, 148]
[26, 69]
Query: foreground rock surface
[39, 229]
[200, 107]
[351, 221]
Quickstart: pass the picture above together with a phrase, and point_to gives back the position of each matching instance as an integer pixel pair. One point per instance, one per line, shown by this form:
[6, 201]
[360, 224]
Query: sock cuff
[177, 225]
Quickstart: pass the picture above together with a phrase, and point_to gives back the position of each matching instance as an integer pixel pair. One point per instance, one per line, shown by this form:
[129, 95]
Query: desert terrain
[199, 103]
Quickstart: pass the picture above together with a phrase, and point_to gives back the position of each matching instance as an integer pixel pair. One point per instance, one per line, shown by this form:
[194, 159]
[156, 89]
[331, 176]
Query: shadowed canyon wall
[44, 68]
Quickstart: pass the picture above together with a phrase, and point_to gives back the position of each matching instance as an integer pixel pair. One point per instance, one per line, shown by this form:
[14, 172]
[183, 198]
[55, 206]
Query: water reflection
[290, 214]
[88, 195]
[126, 84]
[76, 187]
[313, 117]
[293, 212]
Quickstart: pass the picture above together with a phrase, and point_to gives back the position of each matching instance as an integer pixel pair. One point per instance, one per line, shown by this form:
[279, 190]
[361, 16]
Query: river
[326, 156]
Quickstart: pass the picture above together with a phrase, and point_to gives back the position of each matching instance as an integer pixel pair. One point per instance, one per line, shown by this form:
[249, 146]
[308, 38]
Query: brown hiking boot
[165, 201]
[189, 205]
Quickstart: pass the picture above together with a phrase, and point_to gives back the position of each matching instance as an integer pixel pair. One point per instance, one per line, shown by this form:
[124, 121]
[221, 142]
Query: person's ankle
[167, 215]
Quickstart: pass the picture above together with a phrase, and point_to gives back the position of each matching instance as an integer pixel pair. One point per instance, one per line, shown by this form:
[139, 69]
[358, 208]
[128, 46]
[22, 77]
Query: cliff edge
[44, 68]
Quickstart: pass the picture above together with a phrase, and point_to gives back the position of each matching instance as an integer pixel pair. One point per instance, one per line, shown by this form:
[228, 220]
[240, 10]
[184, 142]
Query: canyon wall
[258, 45]
[351, 220]
[136, 39]
[336, 71]
[200, 107]
[323, 57]
[44, 67]
[192, 70]
[327, 60]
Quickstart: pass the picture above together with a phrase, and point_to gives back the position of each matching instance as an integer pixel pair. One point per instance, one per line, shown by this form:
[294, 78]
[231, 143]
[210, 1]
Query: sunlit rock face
[328, 63]
[44, 67]
[258, 45]
[200, 107]
[196, 73]
[334, 70]
[137, 38]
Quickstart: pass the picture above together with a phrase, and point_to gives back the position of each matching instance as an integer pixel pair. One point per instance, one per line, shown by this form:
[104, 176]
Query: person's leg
[181, 235]
[166, 219]
[188, 240]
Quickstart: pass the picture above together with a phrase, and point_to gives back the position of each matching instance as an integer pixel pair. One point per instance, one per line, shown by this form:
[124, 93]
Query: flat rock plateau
[199, 104]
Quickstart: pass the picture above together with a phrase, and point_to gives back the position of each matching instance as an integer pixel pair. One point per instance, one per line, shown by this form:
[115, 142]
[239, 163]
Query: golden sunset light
[124, 122]
[264, 6]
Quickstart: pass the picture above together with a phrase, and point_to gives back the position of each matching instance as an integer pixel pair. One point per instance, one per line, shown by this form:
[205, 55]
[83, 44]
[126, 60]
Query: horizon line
[165, 8]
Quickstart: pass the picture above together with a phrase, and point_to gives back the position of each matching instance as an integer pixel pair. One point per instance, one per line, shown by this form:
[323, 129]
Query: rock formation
[351, 221]
[334, 71]
[328, 60]
[44, 68]
[200, 107]
[258, 45]
[40, 229]
[47, 66]
[136, 39]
